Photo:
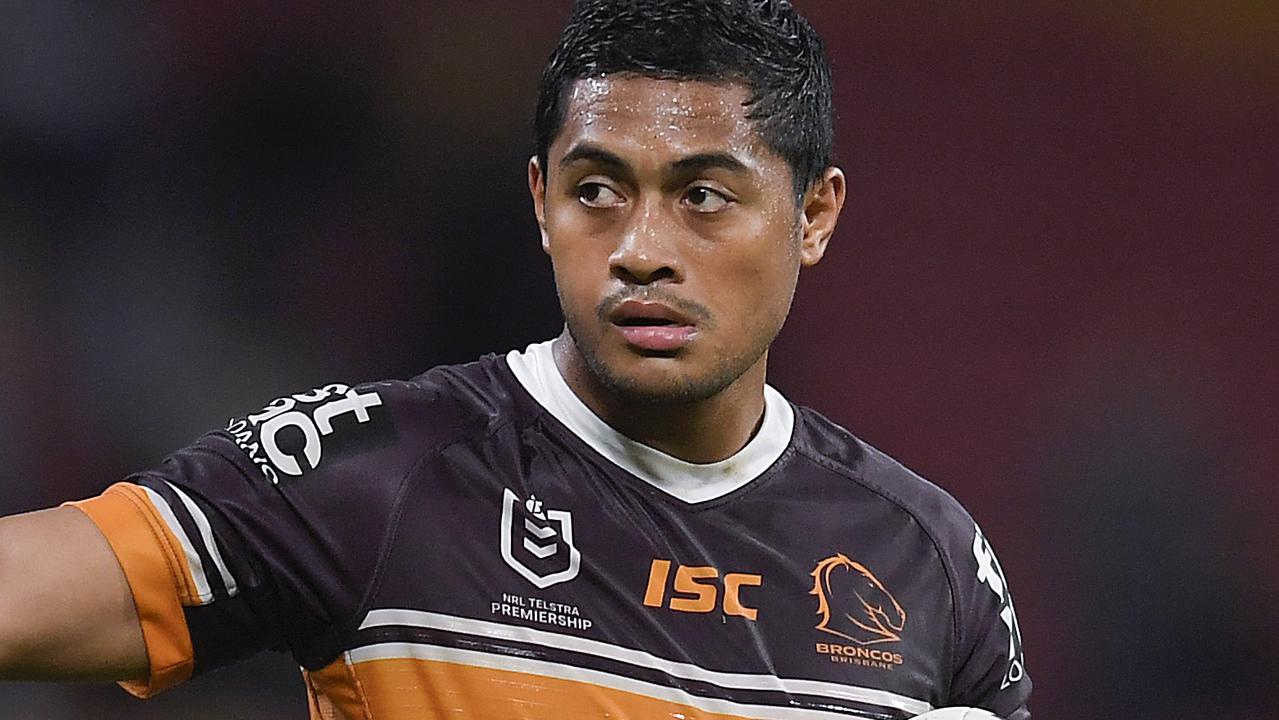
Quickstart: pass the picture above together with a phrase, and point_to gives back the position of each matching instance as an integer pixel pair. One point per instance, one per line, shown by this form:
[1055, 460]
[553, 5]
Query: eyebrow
[594, 153]
[691, 164]
[707, 161]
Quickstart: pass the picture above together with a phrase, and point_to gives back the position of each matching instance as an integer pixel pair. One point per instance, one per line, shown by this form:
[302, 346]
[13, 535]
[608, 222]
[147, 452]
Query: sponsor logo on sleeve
[855, 607]
[295, 434]
[991, 574]
[537, 542]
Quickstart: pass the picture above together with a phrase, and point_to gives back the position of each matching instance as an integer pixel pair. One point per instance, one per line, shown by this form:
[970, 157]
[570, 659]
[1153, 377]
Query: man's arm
[66, 612]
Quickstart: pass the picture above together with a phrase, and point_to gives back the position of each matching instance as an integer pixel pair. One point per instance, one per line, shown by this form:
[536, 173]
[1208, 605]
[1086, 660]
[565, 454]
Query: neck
[701, 431]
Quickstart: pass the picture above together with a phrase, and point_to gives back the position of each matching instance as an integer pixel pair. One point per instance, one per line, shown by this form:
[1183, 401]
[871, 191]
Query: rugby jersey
[476, 543]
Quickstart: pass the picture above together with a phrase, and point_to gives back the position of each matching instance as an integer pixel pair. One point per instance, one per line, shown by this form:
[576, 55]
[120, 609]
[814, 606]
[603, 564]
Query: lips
[647, 312]
[652, 326]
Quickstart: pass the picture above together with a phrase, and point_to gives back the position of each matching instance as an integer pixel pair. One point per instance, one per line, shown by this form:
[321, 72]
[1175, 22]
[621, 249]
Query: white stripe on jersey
[210, 543]
[491, 661]
[687, 671]
[204, 592]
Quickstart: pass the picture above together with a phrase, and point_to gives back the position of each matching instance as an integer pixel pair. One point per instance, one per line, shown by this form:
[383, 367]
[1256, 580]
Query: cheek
[579, 261]
[772, 286]
[573, 242]
[762, 276]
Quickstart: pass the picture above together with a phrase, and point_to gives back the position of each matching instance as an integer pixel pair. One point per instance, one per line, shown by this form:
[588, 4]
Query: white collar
[691, 482]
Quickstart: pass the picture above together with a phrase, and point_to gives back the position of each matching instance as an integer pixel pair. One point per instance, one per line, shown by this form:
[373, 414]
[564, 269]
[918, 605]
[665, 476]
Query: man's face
[674, 235]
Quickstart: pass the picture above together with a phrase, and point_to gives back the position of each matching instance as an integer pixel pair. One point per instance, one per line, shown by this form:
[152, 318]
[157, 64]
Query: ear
[537, 188]
[822, 204]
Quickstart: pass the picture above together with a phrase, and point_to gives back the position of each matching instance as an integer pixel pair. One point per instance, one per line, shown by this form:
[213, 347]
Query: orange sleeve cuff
[157, 579]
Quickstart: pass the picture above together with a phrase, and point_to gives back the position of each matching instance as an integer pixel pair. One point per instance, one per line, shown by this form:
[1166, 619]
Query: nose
[648, 250]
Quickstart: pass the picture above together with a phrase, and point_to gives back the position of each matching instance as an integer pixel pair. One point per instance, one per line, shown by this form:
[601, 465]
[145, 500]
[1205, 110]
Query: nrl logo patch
[537, 543]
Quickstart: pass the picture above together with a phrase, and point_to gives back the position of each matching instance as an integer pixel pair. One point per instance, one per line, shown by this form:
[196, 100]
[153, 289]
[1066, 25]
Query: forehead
[680, 117]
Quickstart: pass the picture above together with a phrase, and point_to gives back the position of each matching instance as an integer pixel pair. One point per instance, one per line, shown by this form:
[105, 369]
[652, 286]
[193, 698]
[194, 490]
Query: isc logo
[698, 590]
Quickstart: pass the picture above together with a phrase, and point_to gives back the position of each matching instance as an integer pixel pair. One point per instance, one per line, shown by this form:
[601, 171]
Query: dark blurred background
[1053, 291]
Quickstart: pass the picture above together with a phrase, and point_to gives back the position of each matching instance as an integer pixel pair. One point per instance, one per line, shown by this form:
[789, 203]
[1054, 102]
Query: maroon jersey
[475, 543]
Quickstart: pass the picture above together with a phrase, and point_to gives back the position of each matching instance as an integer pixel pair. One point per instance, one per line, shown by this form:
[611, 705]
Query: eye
[706, 200]
[597, 195]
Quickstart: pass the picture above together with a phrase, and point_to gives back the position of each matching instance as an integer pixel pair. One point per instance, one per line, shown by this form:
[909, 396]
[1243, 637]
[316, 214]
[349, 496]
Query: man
[625, 521]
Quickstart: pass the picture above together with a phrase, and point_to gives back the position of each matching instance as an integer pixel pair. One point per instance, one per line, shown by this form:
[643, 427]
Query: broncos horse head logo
[854, 604]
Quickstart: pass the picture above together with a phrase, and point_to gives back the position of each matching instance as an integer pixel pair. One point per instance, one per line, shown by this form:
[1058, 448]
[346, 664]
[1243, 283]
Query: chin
[694, 373]
[657, 379]
[655, 393]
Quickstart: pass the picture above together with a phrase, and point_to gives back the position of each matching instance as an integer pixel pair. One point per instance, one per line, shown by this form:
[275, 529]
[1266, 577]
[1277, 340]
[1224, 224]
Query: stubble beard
[678, 389]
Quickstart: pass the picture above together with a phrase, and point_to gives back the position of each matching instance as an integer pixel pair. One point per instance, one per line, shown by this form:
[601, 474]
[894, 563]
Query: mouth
[653, 327]
[643, 322]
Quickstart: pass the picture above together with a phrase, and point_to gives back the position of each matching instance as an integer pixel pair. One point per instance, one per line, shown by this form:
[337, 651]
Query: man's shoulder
[830, 445]
[373, 427]
[452, 402]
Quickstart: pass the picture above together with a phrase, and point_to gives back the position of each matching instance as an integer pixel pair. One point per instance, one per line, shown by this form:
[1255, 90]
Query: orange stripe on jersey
[183, 578]
[333, 693]
[158, 577]
[413, 689]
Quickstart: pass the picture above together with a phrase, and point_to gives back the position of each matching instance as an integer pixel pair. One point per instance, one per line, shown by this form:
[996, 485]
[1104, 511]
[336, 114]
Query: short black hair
[764, 44]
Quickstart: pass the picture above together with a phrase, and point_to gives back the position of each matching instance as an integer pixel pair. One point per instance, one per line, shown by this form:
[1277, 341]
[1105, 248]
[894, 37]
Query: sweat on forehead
[598, 92]
[677, 114]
